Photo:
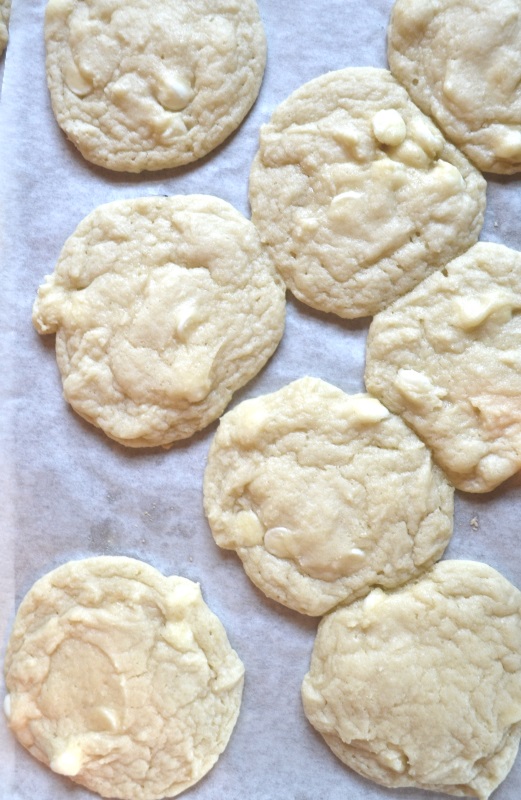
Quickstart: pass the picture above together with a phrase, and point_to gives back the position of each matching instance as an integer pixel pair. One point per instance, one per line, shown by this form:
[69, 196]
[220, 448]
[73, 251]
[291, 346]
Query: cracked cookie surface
[357, 195]
[422, 686]
[162, 308]
[145, 86]
[324, 495]
[461, 63]
[447, 358]
[121, 678]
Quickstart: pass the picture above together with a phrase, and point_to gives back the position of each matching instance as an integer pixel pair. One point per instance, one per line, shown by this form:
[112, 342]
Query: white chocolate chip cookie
[139, 85]
[448, 359]
[121, 678]
[422, 687]
[5, 10]
[162, 308]
[357, 195]
[324, 495]
[460, 60]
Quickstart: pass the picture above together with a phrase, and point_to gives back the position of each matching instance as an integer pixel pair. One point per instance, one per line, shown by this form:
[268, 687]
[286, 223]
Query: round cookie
[121, 678]
[356, 194]
[461, 63]
[5, 11]
[145, 86]
[447, 358]
[422, 687]
[162, 308]
[324, 495]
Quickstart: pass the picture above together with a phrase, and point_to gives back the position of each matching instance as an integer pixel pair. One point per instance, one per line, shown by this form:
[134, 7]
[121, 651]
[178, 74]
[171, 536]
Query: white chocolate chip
[68, 762]
[427, 137]
[186, 317]
[508, 144]
[173, 128]
[373, 599]
[276, 543]
[495, 468]
[178, 635]
[412, 155]
[184, 594]
[473, 311]
[389, 127]
[105, 719]
[174, 93]
[348, 137]
[250, 421]
[366, 409]
[418, 388]
[448, 178]
[393, 760]
[247, 529]
[76, 82]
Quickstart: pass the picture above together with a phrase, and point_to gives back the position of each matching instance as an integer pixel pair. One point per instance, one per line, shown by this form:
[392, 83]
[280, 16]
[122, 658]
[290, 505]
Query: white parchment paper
[69, 492]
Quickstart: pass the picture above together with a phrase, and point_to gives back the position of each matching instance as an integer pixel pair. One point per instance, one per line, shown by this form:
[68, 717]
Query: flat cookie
[121, 678]
[324, 495]
[145, 86]
[460, 60]
[162, 308]
[448, 359]
[422, 687]
[5, 11]
[357, 195]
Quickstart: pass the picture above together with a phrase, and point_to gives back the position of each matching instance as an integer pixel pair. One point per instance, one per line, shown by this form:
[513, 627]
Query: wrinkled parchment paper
[69, 492]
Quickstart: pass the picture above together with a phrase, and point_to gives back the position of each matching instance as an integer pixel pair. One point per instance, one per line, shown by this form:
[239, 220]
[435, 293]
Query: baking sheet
[69, 492]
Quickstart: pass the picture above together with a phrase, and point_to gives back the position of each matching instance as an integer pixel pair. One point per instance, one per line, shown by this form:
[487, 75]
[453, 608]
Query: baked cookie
[422, 687]
[162, 308]
[324, 495]
[121, 678]
[5, 11]
[448, 359]
[357, 195]
[460, 60]
[139, 86]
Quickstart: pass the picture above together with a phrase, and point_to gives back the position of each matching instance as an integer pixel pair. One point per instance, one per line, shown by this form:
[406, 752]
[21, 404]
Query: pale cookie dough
[460, 60]
[324, 495]
[448, 359]
[5, 10]
[121, 678]
[146, 85]
[422, 687]
[162, 308]
[357, 195]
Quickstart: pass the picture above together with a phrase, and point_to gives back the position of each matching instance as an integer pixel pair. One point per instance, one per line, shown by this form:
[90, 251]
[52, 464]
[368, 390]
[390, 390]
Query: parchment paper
[69, 492]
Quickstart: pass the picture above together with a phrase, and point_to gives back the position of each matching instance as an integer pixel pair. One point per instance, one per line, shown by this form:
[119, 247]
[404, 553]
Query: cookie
[5, 11]
[121, 678]
[356, 194]
[145, 86]
[422, 687]
[324, 495]
[461, 63]
[162, 308]
[447, 358]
